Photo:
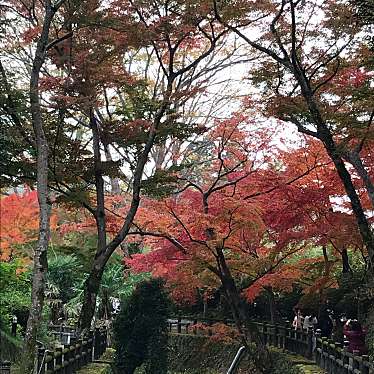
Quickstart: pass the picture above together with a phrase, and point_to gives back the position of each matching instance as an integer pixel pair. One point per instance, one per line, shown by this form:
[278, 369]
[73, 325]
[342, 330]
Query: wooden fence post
[179, 326]
[264, 333]
[58, 359]
[72, 357]
[364, 368]
[4, 367]
[79, 354]
[271, 331]
[317, 346]
[96, 343]
[309, 350]
[323, 356]
[41, 360]
[85, 351]
[49, 361]
[287, 338]
[90, 346]
[282, 332]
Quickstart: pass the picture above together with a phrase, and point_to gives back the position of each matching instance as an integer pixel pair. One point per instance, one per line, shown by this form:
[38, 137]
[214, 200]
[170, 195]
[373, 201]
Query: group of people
[306, 323]
[340, 329]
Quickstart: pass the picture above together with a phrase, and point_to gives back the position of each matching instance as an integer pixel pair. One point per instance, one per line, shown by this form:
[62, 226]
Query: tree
[210, 232]
[147, 129]
[43, 44]
[94, 103]
[329, 98]
[247, 223]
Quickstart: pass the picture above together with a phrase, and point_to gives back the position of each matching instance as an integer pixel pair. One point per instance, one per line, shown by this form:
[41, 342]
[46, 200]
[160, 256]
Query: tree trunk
[99, 185]
[354, 159]
[345, 261]
[272, 304]
[205, 306]
[115, 188]
[362, 222]
[248, 331]
[29, 361]
[92, 283]
[91, 289]
[103, 254]
[325, 136]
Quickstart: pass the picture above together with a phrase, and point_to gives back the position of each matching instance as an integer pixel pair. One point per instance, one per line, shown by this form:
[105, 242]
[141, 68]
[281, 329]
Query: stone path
[100, 366]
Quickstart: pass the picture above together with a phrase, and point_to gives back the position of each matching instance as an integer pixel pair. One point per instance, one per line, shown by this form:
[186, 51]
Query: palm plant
[115, 284]
[63, 276]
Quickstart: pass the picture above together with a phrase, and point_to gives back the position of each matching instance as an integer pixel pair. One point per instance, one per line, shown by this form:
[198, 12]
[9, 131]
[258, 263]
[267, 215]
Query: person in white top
[298, 320]
[310, 321]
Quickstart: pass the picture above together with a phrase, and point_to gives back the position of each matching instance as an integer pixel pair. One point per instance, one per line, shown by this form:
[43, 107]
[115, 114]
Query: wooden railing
[188, 325]
[65, 334]
[4, 367]
[333, 357]
[67, 359]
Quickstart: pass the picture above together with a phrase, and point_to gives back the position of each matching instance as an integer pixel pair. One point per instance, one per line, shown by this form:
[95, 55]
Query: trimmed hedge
[141, 330]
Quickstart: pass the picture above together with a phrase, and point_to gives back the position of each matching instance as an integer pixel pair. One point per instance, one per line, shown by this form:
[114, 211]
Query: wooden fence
[4, 367]
[67, 359]
[333, 357]
[65, 334]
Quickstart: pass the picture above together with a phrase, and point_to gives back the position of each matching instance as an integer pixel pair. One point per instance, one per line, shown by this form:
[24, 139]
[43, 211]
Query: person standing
[310, 322]
[325, 324]
[298, 320]
[356, 337]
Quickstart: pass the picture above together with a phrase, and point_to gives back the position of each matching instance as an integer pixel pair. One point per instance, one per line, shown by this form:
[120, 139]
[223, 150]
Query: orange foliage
[19, 221]
[218, 332]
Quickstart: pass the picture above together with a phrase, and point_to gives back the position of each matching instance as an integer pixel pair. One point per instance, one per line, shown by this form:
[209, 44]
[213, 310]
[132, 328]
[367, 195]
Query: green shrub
[370, 332]
[282, 365]
[140, 330]
[15, 291]
[10, 347]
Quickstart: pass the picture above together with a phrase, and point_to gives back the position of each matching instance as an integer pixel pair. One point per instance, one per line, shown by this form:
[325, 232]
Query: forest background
[154, 138]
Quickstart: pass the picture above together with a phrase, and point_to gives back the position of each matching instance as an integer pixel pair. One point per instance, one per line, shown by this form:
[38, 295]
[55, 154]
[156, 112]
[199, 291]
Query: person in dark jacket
[356, 337]
[325, 324]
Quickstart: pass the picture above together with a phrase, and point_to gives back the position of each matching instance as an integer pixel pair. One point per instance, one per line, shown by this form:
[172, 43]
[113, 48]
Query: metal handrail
[234, 365]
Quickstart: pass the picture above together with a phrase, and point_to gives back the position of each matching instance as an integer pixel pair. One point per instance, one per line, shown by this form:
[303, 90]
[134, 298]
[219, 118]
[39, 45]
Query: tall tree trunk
[355, 159]
[92, 283]
[102, 255]
[40, 254]
[292, 63]
[248, 331]
[272, 304]
[99, 185]
[115, 188]
[205, 306]
[362, 222]
[345, 261]
[325, 136]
